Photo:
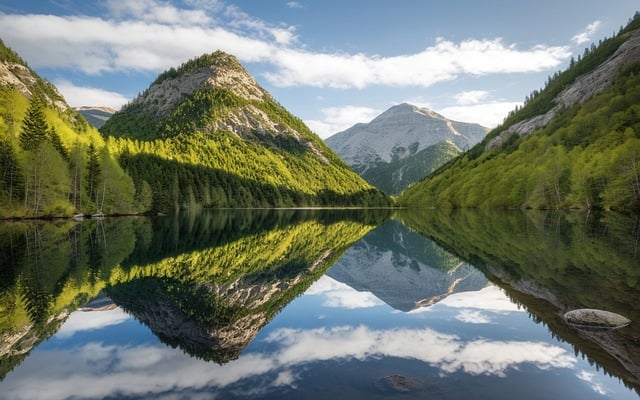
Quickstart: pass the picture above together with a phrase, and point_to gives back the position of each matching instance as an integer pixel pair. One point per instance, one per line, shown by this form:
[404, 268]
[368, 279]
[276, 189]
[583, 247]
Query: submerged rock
[593, 318]
[398, 383]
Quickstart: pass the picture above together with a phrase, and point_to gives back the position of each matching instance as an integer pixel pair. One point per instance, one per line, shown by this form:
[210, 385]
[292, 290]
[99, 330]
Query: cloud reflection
[340, 295]
[91, 320]
[96, 370]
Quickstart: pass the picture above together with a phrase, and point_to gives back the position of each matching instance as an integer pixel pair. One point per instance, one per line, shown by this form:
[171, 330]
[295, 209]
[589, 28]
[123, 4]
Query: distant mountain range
[402, 145]
[95, 115]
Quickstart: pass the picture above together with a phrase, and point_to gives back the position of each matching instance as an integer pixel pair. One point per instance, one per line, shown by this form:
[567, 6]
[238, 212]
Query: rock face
[237, 106]
[404, 269]
[95, 115]
[397, 135]
[583, 88]
[25, 81]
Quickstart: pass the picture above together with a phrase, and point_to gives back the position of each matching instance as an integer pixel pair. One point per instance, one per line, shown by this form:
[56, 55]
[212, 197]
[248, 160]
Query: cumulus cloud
[490, 298]
[294, 4]
[443, 61]
[151, 36]
[99, 371]
[489, 114]
[471, 97]
[586, 35]
[80, 321]
[337, 119]
[87, 96]
[473, 317]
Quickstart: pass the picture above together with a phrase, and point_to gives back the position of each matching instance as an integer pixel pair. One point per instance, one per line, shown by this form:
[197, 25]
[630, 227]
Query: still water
[324, 304]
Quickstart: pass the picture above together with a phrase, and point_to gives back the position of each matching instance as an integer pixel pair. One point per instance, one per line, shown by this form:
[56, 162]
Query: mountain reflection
[551, 263]
[205, 282]
[404, 269]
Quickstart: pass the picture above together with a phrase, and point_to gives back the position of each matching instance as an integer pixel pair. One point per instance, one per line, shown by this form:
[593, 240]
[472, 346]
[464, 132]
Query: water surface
[302, 304]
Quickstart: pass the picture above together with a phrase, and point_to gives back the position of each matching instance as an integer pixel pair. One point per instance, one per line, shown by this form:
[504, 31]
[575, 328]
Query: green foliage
[585, 158]
[395, 176]
[43, 154]
[8, 55]
[34, 127]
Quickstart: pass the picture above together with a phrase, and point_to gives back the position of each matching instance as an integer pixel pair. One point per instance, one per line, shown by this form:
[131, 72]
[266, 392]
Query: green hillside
[587, 156]
[227, 143]
[52, 162]
[395, 176]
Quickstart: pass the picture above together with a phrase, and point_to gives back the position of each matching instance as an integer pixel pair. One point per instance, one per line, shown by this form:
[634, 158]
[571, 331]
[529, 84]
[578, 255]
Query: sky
[332, 63]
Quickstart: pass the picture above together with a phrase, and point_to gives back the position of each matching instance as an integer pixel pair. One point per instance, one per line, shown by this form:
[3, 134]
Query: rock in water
[593, 318]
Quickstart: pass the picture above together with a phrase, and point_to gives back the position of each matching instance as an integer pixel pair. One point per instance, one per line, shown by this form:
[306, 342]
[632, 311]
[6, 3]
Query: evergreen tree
[34, 126]
[57, 143]
[94, 172]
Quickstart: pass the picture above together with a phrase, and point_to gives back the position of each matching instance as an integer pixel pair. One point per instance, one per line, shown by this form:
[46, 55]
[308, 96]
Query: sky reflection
[101, 369]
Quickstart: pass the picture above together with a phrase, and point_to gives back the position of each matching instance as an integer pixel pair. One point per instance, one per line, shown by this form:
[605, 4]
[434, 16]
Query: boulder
[593, 318]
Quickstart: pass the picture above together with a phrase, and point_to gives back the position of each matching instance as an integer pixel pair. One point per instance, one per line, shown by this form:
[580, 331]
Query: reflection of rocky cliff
[552, 263]
[212, 302]
[404, 269]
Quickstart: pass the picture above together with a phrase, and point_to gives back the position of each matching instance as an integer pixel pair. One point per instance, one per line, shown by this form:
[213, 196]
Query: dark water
[324, 304]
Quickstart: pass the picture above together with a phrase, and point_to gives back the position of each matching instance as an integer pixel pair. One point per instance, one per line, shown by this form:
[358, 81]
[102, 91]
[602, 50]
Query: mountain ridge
[391, 151]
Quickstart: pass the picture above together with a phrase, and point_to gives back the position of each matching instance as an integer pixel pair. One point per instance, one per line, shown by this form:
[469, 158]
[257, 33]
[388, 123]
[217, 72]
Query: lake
[342, 304]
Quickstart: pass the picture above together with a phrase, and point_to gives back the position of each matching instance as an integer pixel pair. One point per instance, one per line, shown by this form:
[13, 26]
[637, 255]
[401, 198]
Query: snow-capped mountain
[397, 147]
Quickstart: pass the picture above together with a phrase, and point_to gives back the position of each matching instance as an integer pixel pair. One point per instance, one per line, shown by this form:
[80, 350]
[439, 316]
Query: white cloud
[472, 317]
[590, 378]
[152, 36]
[337, 119]
[87, 96]
[99, 371]
[471, 97]
[294, 4]
[340, 295]
[586, 35]
[490, 298]
[80, 321]
[488, 114]
[443, 61]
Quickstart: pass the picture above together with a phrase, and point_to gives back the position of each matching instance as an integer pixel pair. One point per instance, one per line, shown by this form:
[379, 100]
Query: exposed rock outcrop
[582, 89]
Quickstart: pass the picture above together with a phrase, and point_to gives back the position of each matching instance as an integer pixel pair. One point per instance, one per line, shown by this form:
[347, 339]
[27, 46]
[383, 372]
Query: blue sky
[332, 63]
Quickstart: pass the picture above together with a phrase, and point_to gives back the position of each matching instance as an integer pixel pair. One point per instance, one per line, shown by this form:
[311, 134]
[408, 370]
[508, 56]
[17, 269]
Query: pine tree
[94, 172]
[34, 126]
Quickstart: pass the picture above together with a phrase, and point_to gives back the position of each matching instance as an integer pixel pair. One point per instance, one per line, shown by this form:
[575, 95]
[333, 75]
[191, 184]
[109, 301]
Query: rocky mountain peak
[401, 126]
[215, 70]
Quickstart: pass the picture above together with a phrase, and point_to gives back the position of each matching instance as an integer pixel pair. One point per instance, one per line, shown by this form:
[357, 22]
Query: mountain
[404, 269]
[402, 145]
[206, 133]
[573, 144]
[95, 115]
[52, 162]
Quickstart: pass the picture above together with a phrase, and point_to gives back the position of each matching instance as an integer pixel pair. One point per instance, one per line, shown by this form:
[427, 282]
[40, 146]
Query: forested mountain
[207, 134]
[96, 115]
[402, 145]
[574, 144]
[52, 162]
